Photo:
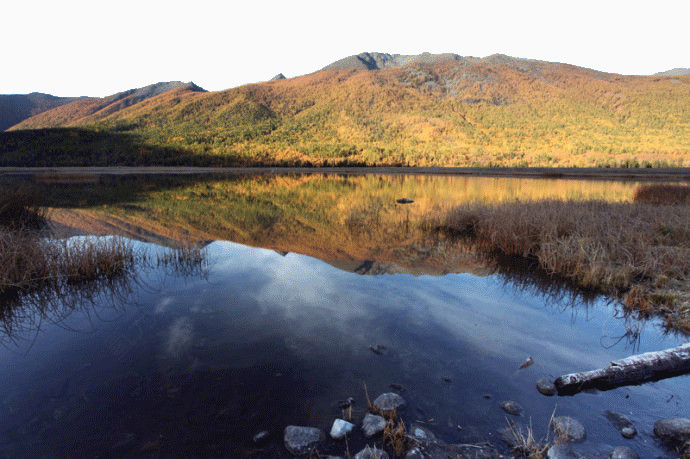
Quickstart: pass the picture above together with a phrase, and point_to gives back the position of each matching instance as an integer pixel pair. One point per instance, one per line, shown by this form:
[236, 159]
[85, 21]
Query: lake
[314, 288]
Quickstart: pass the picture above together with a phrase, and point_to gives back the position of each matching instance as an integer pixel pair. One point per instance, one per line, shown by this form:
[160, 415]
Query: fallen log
[637, 369]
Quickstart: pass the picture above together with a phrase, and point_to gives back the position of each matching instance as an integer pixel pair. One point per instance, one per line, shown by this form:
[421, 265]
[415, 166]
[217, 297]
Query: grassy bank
[637, 252]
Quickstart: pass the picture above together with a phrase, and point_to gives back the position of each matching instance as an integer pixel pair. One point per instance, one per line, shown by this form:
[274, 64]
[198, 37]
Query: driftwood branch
[637, 369]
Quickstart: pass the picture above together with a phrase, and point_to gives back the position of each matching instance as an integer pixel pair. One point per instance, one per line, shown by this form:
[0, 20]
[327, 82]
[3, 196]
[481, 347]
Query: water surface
[277, 329]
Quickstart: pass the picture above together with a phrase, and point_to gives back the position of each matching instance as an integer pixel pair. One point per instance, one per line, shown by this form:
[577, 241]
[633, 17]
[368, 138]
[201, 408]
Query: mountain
[378, 109]
[15, 108]
[675, 72]
[91, 109]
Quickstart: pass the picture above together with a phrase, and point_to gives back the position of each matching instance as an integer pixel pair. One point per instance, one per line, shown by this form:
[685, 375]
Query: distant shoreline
[537, 172]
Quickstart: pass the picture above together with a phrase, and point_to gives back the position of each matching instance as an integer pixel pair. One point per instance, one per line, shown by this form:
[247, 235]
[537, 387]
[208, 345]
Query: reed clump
[638, 252]
[29, 261]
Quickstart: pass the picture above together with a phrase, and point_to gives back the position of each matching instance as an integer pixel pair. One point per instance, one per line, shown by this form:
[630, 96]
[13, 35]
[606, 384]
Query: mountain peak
[377, 61]
[280, 76]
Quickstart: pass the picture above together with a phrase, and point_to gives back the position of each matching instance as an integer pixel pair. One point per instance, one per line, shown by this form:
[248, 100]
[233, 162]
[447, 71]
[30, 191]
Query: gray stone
[341, 429]
[389, 402]
[623, 452]
[546, 387]
[414, 453]
[371, 452]
[300, 441]
[511, 407]
[421, 432]
[568, 428]
[373, 425]
[560, 451]
[621, 423]
[260, 437]
[673, 430]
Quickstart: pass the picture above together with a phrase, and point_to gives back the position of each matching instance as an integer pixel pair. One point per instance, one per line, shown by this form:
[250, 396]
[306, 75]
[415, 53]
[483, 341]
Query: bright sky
[100, 47]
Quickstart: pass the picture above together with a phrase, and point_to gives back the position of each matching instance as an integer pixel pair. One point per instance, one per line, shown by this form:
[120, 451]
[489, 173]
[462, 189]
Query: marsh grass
[637, 252]
[662, 194]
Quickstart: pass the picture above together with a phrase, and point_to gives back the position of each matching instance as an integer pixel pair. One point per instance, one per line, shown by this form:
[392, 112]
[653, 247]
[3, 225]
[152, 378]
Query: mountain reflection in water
[280, 326]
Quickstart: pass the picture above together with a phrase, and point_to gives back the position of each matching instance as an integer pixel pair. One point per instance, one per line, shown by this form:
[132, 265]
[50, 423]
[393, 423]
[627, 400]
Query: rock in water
[568, 428]
[373, 425]
[421, 432]
[340, 429]
[370, 452]
[511, 407]
[529, 361]
[546, 387]
[623, 452]
[389, 402]
[673, 430]
[560, 451]
[622, 423]
[260, 437]
[301, 440]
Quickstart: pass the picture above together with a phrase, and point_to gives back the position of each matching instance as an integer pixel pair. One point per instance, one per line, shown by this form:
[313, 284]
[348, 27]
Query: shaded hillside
[441, 110]
[15, 108]
[90, 109]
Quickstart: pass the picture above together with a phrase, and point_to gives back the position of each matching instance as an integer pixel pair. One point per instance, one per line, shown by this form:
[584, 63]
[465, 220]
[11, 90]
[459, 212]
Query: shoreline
[676, 174]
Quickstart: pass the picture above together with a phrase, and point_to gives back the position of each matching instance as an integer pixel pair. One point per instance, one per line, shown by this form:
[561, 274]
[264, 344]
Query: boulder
[673, 430]
[568, 428]
[300, 441]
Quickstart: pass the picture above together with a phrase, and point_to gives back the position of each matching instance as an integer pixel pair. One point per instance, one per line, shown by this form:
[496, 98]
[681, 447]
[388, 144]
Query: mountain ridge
[15, 108]
[433, 110]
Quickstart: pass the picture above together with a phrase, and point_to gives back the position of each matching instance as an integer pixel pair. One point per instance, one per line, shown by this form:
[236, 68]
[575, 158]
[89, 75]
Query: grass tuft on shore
[637, 252]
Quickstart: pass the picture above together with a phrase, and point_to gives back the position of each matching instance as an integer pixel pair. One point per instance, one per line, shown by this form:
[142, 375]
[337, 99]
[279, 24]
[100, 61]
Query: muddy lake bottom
[197, 365]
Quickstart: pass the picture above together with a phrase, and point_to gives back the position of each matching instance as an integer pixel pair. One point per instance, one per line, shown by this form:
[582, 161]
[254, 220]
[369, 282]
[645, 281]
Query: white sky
[100, 47]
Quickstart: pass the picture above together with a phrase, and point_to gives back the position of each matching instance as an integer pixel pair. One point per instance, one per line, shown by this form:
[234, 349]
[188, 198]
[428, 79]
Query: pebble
[622, 423]
[511, 407]
[623, 452]
[546, 387]
[568, 428]
[560, 451]
[372, 425]
[421, 432]
[389, 402]
[260, 437]
[341, 429]
[301, 440]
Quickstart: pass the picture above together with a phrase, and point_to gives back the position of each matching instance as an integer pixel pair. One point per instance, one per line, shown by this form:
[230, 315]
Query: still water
[302, 275]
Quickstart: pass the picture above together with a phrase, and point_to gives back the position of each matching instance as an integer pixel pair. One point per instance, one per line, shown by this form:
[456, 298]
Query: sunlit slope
[473, 112]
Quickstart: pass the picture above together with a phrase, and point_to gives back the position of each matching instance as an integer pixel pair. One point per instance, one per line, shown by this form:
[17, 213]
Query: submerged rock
[389, 402]
[261, 437]
[371, 452]
[560, 451]
[511, 407]
[623, 452]
[529, 361]
[432, 448]
[301, 440]
[673, 430]
[622, 423]
[372, 425]
[546, 387]
[340, 429]
[421, 432]
[568, 428]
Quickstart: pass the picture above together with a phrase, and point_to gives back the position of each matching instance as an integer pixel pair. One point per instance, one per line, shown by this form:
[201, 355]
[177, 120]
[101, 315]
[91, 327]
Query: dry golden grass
[663, 194]
[637, 252]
